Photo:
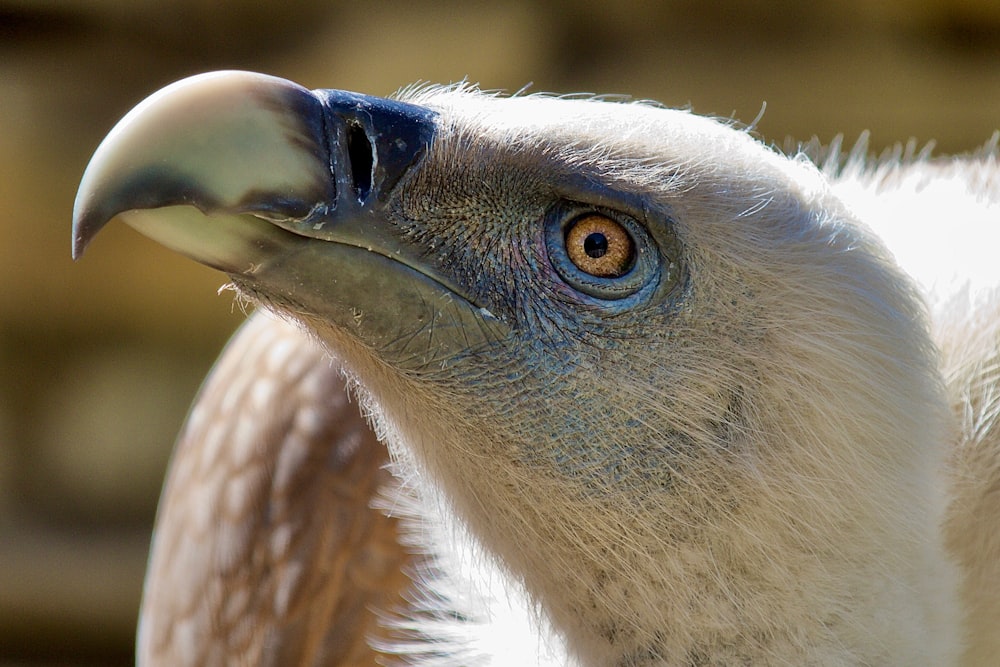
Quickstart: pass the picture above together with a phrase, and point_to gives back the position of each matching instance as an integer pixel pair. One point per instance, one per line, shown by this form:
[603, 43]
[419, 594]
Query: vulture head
[663, 376]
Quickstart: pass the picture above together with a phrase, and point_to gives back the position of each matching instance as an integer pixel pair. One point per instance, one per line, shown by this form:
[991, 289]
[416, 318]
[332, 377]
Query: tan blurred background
[99, 359]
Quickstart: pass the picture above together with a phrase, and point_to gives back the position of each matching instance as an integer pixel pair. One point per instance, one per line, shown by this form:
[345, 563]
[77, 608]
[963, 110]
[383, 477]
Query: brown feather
[267, 550]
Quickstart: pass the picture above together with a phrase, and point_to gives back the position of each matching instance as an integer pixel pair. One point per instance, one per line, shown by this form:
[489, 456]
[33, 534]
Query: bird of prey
[654, 393]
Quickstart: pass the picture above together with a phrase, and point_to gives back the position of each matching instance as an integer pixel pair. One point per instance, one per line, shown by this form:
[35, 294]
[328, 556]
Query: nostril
[362, 157]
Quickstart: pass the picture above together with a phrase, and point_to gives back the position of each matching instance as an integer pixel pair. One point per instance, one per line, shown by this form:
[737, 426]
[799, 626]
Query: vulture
[652, 391]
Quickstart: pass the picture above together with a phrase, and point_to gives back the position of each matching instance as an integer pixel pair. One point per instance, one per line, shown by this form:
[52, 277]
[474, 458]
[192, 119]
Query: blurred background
[100, 358]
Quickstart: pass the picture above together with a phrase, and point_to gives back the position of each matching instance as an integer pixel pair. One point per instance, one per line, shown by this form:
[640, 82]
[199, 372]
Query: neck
[809, 534]
[758, 561]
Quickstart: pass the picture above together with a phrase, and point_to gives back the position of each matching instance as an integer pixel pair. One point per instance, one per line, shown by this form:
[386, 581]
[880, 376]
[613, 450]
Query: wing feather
[267, 550]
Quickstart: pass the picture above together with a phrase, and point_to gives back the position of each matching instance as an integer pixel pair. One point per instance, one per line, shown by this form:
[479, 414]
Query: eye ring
[625, 261]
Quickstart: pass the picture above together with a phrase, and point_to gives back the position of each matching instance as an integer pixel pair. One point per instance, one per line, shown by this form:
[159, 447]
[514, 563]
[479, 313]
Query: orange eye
[600, 246]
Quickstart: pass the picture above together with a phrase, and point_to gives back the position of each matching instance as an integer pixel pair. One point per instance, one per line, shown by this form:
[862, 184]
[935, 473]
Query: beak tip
[83, 229]
[88, 218]
[79, 245]
[80, 238]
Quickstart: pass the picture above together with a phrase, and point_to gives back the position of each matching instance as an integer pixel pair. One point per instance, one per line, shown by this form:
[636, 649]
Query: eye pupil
[595, 245]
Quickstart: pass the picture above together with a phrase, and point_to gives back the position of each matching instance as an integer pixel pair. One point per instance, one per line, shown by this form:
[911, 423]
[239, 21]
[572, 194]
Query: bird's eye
[601, 253]
[600, 246]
